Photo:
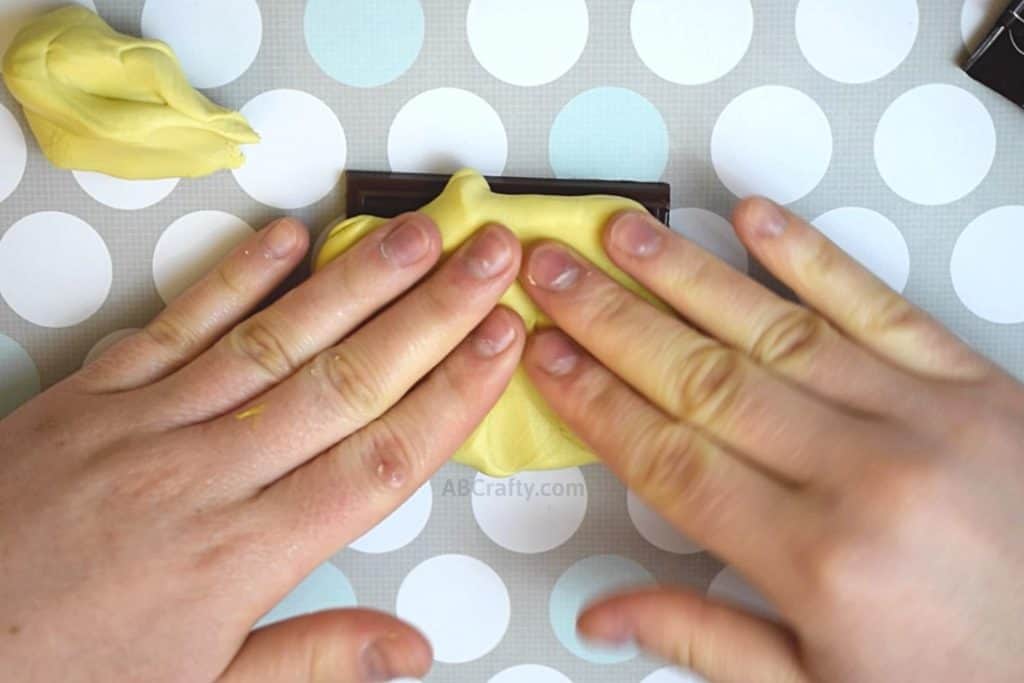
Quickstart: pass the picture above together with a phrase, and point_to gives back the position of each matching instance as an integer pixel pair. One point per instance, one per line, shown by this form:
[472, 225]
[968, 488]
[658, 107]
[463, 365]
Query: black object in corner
[999, 62]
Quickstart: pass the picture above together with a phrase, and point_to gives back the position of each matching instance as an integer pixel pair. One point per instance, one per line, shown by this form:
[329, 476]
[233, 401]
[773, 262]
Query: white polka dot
[532, 512]
[106, 342]
[872, 239]
[444, 130]
[731, 588]
[191, 246]
[713, 233]
[401, 527]
[459, 603]
[772, 141]
[986, 269]
[16, 13]
[656, 530]
[978, 18]
[935, 144]
[55, 270]
[128, 195]
[216, 42]
[302, 151]
[530, 673]
[856, 41]
[13, 153]
[692, 42]
[556, 33]
[672, 675]
[325, 588]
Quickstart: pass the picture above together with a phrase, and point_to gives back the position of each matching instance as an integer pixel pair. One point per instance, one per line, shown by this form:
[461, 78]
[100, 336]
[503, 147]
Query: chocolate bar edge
[385, 194]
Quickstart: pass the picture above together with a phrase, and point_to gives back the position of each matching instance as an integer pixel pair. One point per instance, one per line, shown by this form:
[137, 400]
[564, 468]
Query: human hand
[855, 461]
[155, 504]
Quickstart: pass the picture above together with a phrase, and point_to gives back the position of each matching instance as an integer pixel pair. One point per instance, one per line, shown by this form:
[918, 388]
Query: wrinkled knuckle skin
[229, 276]
[353, 385]
[889, 314]
[391, 459]
[172, 336]
[709, 382]
[793, 336]
[822, 260]
[670, 468]
[609, 306]
[256, 341]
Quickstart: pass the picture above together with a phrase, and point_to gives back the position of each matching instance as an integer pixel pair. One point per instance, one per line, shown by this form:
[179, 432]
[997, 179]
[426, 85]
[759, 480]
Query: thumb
[338, 646]
[720, 643]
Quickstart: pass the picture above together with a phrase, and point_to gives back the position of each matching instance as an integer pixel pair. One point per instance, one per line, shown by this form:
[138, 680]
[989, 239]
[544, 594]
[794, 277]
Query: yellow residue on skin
[251, 413]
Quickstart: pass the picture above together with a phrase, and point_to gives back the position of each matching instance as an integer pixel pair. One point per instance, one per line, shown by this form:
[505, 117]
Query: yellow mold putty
[98, 100]
[521, 432]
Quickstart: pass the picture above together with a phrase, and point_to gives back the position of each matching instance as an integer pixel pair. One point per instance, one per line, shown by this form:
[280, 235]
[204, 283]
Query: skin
[854, 460]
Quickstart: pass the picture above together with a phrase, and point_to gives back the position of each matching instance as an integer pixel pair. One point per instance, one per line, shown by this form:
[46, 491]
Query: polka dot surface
[872, 239]
[216, 42]
[657, 530]
[533, 512]
[326, 588]
[530, 673]
[443, 130]
[401, 527]
[556, 33]
[731, 588]
[856, 41]
[935, 144]
[301, 154]
[609, 133]
[977, 18]
[364, 44]
[19, 377]
[673, 675]
[459, 603]
[13, 153]
[129, 195]
[713, 233]
[986, 266]
[106, 342]
[55, 270]
[692, 42]
[591, 578]
[14, 13]
[772, 141]
[191, 246]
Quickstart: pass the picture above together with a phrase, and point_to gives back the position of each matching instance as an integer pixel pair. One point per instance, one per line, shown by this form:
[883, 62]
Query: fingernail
[557, 356]
[377, 662]
[493, 337]
[406, 244]
[280, 238]
[488, 255]
[634, 234]
[769, 221]
[553, 268]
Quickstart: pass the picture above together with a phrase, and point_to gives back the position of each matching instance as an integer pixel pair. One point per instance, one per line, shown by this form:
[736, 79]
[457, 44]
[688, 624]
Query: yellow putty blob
[521, 432]
[98, 100]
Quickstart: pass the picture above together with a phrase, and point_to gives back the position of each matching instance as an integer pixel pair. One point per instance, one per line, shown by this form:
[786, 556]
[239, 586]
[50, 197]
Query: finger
[720, 643]
[702, 489]
[856, 302]
[689, 376]
[195, 320]
[350, 385]
[338, 496]
[785, 337]
[268, 347]
[357, 646]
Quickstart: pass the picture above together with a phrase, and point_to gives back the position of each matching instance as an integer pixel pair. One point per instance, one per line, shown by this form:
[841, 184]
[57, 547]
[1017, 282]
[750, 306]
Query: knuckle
[890, 313]
[391, 457]
[709, 381]
[796, 334]
[230, 277]
[611, 306]
[355, 387]
[822, 260]
[670, 469]
[258, 341]
[171, 335]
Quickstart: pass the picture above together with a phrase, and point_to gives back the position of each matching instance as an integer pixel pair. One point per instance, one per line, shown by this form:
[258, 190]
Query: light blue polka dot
[19, 378]
[326, 588]
[364, 44]
[580, 585]
[611, 134]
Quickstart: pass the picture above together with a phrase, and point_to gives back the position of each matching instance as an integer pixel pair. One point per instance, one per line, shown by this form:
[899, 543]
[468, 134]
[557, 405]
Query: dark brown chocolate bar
[389, 194]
